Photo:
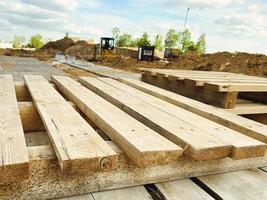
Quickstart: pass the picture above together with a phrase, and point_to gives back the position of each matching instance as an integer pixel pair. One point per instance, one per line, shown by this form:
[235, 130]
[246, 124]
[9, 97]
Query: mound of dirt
[251, 64]
[81, 50]
[59, 45]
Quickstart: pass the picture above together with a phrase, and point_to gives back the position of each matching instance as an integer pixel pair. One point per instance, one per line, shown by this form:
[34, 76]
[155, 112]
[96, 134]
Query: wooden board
[172, 122]
[183, 190]
[132, 193]
[248, 127]
[14, 161]
[77, 146]
[47, 181]
[243, 146]
[247, 184]
[143, 145]
[30, 118]
[248, 108]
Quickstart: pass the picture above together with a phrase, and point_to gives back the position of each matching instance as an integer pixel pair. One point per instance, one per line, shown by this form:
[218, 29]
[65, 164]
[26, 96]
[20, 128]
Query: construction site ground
[249, 184]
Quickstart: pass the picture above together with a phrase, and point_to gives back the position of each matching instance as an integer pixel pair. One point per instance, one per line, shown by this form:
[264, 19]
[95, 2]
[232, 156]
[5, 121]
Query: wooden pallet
[217, 88]
[151, 140]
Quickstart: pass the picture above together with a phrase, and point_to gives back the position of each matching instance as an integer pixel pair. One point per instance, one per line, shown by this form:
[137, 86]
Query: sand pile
[82, 50]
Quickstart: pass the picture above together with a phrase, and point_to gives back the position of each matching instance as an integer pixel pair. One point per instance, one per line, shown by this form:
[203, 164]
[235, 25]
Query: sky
[229, 25]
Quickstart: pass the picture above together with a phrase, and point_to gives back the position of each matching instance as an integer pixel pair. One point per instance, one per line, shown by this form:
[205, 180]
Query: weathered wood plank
[47, 181]
[243, 146]
[185, 88]
[239, 87]
[247, 184]
[183, 190]
[143, 145]
[131, 193]
[198, 144]
[14, 161]
[30, 118]
[245, 126]
[77, 146]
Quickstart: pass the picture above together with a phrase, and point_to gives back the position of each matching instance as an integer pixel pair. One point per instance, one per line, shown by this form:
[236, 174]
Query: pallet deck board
[200, 144]
[183, 190]
[14, 160]
[217, 88]
[46, 176]
[77, 146]
[143, 145]
[131, 193]
[246, 184]
[243, 146]
[248, 127]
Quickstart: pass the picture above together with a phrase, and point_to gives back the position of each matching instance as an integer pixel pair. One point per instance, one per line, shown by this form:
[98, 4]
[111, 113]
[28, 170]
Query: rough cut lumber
[131, 193]
[189, 89]
[240, 87]
[22, 92]
[245, 126]
[30, 118]
[143, 145]
[248, 108]
[199, 141]
[77, 146]
[243, 146]
[14, 161]
[183, 190]
[176, 130]
[47, 182]
[246, 184]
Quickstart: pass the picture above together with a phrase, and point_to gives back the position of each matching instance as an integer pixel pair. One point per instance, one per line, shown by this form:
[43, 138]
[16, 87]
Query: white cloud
[200, 3]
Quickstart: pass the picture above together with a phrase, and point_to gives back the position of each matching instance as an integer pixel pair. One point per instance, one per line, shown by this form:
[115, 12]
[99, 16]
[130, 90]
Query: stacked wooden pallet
[150, 139]
[217, 88]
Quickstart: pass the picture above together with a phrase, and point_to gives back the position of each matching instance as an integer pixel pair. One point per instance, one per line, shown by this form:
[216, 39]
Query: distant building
[4, 45]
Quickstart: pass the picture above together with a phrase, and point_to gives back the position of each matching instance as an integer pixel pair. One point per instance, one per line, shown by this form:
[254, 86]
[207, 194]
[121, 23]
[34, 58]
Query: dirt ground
[251, 64]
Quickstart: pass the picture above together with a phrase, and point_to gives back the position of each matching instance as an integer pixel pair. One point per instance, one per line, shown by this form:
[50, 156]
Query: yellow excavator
[107, 47]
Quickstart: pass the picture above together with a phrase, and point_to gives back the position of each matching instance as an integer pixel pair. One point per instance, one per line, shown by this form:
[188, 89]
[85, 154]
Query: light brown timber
[77, 146]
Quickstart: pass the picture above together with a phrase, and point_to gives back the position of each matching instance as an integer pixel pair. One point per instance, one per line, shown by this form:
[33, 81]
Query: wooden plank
[183, 190]
[240, 124]
[80, 197]
[219, 99]
[143, 145]
[14, 161]
[47, 181]
[248, 108]
[131, 193]
[240, 87]
[180, 131]
[247, 184]
[243, 146]
[22, 92]
[78, 147]
[30, 118]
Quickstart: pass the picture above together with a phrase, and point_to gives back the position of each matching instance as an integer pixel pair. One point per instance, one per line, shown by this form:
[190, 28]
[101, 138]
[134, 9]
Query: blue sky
[229, 25]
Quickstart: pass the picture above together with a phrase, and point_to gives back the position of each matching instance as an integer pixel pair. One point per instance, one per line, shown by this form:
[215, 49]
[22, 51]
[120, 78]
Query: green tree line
[36, 41]
[181, 40]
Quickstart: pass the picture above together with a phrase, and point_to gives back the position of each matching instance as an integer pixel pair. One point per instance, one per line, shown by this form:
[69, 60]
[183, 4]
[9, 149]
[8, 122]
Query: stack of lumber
[146, 137]
[217, 88]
